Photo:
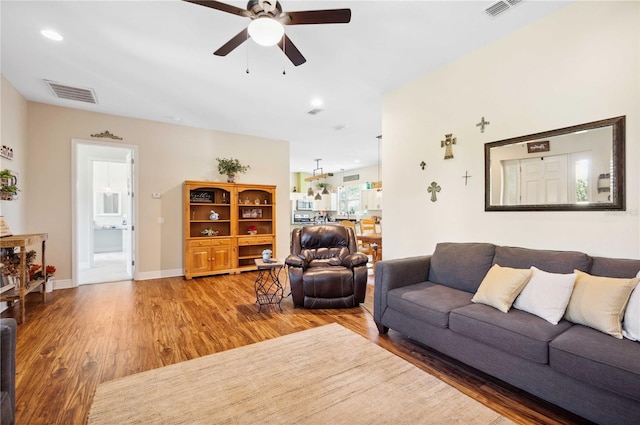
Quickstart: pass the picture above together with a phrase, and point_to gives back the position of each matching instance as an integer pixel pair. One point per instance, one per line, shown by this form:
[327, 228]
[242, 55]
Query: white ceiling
[153, 60]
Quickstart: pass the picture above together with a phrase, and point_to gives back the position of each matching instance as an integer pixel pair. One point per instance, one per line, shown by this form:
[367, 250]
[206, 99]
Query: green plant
[8, 182]
[230, 167]
[324, 185]
[10, 188]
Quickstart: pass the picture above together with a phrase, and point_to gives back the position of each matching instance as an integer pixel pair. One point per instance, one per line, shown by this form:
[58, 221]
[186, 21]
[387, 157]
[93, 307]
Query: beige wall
[167, 155]
[578, 65]
[13, 132]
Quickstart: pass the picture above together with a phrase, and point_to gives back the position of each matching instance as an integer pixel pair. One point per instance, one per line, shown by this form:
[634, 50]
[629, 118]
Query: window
[349, 199]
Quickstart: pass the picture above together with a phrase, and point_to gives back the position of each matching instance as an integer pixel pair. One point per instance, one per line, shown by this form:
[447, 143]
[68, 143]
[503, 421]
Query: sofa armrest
[354, 260]
[8, 370]
[391, 274]
[295, 261]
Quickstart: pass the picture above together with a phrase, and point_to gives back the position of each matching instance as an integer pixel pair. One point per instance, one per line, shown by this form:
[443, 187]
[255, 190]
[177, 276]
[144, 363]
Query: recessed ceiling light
[357, 161]
[316, 103]
[52, 35]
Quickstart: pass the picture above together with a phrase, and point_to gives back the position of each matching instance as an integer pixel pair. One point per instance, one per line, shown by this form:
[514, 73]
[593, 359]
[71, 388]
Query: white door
[128, 224]
[544, 180]
[103, 238]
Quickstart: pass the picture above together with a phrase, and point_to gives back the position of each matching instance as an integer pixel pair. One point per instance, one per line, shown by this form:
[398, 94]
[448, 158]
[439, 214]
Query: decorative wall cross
[446, 143]
[466, 177]
[433, 189]
[482, 124]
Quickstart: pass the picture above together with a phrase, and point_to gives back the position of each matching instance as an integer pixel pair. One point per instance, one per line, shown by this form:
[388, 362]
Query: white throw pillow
[631, 323]
[546, 295]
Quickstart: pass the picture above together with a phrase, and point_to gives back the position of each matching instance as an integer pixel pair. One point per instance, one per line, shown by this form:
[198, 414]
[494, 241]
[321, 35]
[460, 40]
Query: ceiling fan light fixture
[266, 31]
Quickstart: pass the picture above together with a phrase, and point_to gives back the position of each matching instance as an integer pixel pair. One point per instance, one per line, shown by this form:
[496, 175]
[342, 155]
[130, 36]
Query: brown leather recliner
[325, 268]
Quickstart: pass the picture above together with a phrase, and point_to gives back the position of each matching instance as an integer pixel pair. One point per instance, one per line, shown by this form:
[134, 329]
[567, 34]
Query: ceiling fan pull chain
[284, 63]
[247, 71]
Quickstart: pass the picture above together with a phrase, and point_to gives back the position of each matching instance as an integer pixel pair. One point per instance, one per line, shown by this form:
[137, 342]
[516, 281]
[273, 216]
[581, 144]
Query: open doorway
[104, 212]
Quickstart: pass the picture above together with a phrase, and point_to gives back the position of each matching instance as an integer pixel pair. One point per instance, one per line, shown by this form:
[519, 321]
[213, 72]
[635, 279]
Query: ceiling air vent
[351, 178]
[501, 6]
[64, 91]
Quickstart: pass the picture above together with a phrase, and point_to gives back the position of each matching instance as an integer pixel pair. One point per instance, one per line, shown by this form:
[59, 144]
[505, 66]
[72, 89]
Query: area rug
[325, 375]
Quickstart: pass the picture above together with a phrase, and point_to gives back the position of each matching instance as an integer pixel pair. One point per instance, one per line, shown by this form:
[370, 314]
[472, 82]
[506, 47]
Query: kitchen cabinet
[371, 199]
[226, 226]
[327, 203]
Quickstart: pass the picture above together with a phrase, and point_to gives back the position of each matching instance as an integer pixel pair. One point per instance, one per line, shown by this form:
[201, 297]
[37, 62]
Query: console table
[20, 292]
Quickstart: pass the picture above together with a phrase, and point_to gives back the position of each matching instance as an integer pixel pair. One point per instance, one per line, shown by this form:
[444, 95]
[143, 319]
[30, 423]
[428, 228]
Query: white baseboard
[63, 284]
[159, 274]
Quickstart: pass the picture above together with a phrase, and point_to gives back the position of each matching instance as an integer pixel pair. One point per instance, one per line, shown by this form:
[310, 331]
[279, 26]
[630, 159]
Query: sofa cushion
[546, 295]
[428, 302]
[327, 282]
[461, 265]
[614, 267]
[599, 302]
[517, 332]
[550, 261]
[597, 359]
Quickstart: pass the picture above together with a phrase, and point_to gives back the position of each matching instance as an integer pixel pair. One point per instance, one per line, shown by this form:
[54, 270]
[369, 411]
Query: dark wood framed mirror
[577, 168]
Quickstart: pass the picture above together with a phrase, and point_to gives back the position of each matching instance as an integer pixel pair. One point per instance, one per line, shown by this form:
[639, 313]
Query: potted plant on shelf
[35, 272]
[230, 167]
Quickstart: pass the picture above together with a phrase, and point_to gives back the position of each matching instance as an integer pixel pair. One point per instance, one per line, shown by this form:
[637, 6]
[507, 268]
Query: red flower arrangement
[36, 273]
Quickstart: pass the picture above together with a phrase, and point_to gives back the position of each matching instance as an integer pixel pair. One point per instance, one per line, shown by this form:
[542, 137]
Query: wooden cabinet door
[221, 257]
[200, 259]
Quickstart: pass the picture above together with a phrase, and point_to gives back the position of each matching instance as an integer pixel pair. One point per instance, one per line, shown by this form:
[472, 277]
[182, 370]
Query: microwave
[304, 205]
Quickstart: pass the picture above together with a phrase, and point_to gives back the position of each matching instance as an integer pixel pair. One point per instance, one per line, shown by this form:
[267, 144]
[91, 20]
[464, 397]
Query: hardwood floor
[95, 333]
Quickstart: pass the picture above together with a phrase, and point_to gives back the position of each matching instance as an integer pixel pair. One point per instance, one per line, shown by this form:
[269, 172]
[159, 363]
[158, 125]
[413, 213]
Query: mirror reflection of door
[544, 180]
[556, 179]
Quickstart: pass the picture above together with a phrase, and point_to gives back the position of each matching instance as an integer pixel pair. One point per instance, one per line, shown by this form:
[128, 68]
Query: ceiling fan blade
[329, 16]
[292, 52]
[222, 6]
[233, 43]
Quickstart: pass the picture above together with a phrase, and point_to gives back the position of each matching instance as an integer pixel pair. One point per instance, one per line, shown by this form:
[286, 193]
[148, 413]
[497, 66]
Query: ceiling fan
[267, 20]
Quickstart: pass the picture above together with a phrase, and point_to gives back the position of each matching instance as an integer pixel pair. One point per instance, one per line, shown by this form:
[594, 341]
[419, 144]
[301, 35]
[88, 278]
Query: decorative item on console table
[4, 228]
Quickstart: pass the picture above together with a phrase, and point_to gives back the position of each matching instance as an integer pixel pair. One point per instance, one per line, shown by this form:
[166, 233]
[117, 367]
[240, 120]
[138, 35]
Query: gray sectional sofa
[8, 329]
[580, 369]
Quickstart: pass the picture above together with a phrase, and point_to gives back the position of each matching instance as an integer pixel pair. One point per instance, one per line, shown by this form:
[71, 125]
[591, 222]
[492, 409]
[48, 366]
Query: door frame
[75, 143]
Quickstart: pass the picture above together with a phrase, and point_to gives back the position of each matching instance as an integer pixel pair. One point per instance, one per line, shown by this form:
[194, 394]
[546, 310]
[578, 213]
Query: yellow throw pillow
[599, 302]
[501, 286]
